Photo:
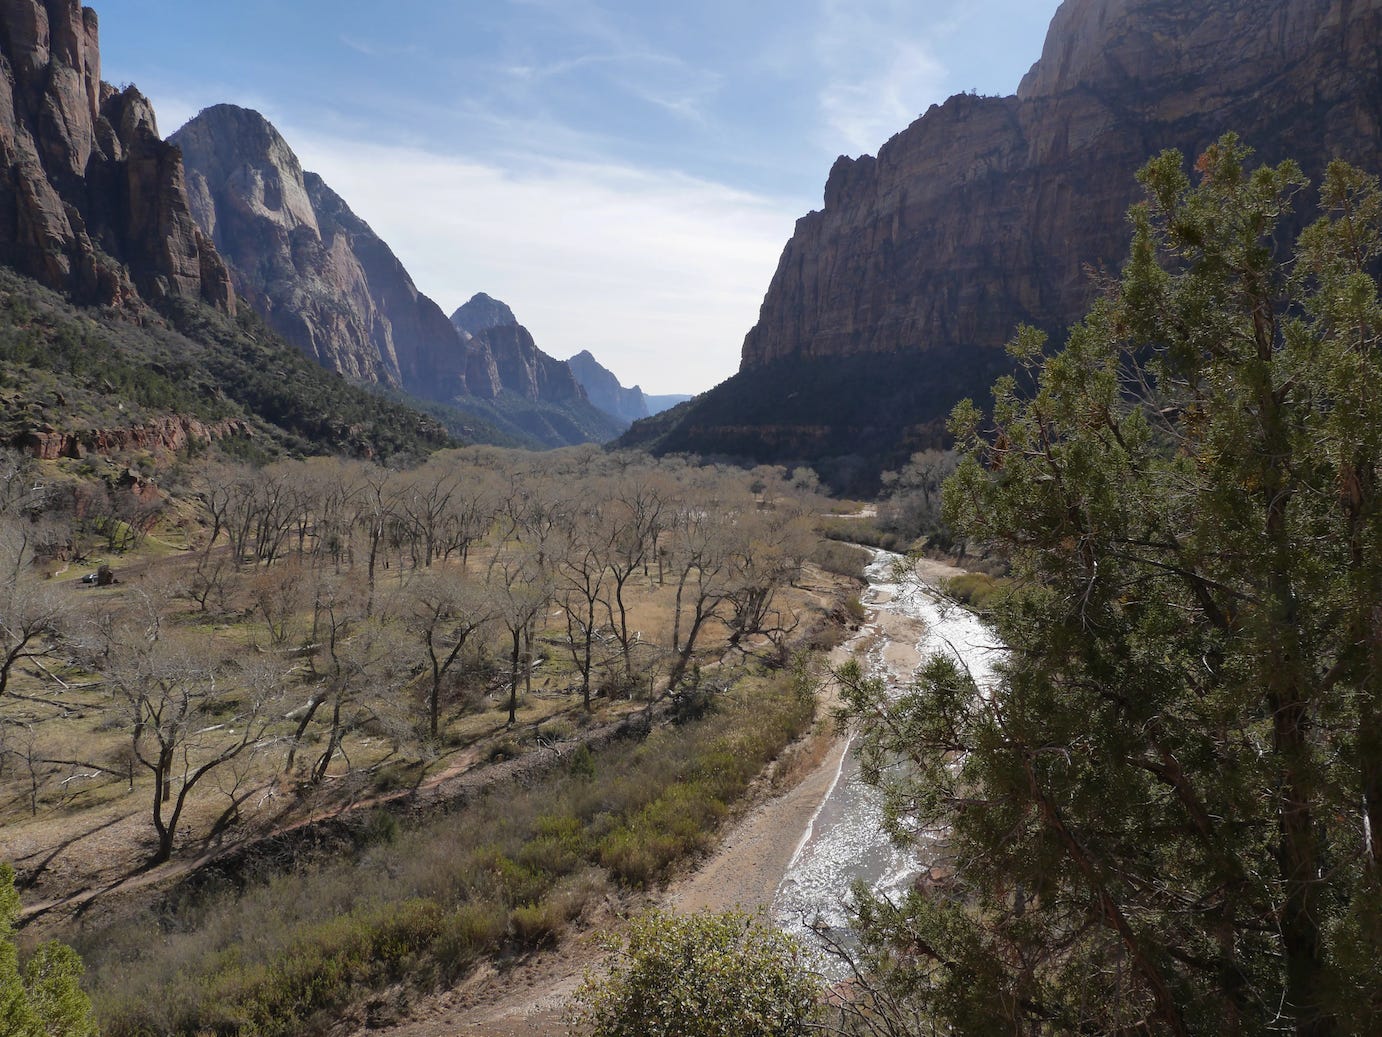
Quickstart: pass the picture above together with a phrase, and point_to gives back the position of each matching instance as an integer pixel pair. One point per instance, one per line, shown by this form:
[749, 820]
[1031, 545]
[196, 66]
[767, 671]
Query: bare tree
[521, 593]
[633, 509]
[444, 609]
[31, 611]
[579, 571]
[705, 578]
[188, 711]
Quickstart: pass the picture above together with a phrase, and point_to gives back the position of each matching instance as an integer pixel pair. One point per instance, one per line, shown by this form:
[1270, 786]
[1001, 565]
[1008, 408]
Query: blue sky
[624, 174]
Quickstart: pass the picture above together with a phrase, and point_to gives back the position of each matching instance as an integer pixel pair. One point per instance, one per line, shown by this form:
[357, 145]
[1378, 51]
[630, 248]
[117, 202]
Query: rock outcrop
[163, 436]
[92, 202]
[988, 212]
[482, 313]
[605, 391]
[316, 271]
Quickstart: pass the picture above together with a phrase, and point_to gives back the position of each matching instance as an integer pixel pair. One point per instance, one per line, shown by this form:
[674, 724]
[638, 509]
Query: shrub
[708, 975]
[840, 558]
[978, 591]
[471, 931]
[536, 924]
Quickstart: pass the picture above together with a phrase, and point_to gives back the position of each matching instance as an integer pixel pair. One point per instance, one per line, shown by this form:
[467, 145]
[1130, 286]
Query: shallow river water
[845, 842]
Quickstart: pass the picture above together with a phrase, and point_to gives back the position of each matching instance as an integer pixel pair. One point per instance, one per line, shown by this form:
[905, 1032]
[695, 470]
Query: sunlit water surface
[845, 841]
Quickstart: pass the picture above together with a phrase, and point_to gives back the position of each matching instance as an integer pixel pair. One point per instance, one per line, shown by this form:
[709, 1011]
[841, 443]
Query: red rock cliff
[84, 177]
[986, 212]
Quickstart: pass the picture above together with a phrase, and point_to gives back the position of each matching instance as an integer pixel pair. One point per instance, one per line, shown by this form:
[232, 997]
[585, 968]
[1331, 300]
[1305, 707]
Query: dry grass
[50, 835]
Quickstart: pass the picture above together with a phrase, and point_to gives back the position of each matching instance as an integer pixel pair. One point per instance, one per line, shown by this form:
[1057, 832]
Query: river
[844, 842]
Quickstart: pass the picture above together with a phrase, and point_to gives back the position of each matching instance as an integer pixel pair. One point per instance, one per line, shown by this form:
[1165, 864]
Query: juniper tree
[1166, 816]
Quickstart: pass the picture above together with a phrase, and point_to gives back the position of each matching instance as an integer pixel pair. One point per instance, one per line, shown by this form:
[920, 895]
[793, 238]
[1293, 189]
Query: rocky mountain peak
[482, 313]
[244, 156]
[303, 259]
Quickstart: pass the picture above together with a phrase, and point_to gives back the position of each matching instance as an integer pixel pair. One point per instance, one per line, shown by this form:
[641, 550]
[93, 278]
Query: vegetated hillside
[989, 212]
[76, 378]
[512, 420]
[847, 417]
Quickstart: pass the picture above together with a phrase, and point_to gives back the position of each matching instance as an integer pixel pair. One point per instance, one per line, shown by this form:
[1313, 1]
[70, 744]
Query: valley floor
[529, 999]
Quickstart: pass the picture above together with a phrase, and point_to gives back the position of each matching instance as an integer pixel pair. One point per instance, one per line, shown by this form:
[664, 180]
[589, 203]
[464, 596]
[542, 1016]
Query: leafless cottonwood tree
[31, 610]
[444, 607]
[189, 712]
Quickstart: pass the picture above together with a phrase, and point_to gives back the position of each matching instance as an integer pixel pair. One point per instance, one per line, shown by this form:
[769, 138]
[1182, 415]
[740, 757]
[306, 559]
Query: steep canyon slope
[987, 212]
[119, 329]
[92, 202]
[330, 285]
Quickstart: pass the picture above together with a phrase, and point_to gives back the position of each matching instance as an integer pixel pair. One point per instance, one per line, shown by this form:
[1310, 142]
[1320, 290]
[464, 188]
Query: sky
[623, 173]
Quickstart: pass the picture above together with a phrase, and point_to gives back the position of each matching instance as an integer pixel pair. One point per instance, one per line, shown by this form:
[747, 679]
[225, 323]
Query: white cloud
[658, 274]
[880, 71]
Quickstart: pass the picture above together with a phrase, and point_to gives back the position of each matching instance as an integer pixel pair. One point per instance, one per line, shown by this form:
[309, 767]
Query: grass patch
[977, 591]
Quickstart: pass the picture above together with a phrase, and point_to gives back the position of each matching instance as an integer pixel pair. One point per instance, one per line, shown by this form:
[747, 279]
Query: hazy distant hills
[604, 390]
[331, 286]
[990, 211]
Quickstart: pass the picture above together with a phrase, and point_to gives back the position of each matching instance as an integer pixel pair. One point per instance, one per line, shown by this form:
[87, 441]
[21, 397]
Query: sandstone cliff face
[526, 370]
[92, 202]
[504, 356]
[605, 390]
[987, 212]
[164, 436]
[250, 196]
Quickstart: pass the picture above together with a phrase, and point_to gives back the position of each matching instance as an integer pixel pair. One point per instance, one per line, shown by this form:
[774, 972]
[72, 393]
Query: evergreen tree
[42, 999]
[1166, 817]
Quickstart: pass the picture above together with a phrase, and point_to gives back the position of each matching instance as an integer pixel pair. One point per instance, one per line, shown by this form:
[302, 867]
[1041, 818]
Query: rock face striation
[326, 282]
[510, 360]
[92, 202]
[987, 212]
[316, 271]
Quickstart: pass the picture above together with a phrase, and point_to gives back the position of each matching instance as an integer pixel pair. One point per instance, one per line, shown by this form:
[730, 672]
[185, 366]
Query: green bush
[42, 997]
[708, 975]
[467, 934]
[976, 590]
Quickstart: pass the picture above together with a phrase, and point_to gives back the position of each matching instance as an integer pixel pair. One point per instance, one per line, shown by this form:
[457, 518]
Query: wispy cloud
[598, 42]
[376, 50]
[654, 272]
[880, 68]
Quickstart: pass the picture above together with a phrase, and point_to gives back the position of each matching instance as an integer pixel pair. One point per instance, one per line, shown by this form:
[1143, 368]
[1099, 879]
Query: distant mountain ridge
[628, 405]
[606, 392]
[988, 212]
[322, 278]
